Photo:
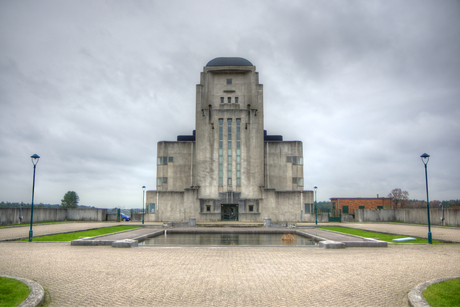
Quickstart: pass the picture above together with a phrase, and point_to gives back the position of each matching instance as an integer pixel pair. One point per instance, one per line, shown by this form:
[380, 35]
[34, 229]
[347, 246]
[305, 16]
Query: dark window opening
[251, 208]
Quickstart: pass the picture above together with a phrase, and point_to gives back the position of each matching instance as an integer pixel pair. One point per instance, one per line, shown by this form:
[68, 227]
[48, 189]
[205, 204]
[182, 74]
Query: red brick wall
[354, 203]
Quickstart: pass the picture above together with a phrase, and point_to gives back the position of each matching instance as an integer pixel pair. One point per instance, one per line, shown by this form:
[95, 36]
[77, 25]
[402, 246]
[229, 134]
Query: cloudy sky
[92, 86]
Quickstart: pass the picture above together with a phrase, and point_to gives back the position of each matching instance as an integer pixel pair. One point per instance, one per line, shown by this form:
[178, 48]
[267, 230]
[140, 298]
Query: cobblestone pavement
[451, 234]
[228, 276]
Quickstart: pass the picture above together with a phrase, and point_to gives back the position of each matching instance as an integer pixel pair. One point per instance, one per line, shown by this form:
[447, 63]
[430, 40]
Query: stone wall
[415, 216]
[11, 216]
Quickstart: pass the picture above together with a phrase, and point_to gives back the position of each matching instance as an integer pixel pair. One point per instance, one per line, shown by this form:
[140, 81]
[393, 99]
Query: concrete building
[229, 168]
[348, 205]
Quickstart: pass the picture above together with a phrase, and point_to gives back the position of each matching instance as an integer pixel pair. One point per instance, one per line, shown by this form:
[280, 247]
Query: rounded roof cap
[229, 62]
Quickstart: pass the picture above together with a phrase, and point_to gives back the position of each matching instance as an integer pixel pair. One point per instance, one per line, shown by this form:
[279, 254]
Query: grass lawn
[65, 237]
[446, 293]
[12, 292]
[374, 235]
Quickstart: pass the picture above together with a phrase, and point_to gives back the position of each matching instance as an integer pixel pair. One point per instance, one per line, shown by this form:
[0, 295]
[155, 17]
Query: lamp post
[143, 208]
[34, 158]
[425, 158]
[316, 209]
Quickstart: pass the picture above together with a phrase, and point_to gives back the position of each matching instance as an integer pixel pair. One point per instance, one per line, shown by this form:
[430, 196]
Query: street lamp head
[316, 188]
[425, 158]
[35, 158]
[143, 187]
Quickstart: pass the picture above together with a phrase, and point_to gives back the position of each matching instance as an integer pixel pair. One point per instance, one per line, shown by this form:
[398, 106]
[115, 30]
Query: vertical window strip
[229, 151]
[221, 151]
[238, 152]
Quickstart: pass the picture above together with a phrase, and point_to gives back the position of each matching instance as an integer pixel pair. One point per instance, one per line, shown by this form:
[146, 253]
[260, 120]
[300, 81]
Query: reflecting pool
[226, 239]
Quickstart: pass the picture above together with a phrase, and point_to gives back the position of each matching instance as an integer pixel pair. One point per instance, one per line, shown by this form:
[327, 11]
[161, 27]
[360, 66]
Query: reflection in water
[226, 239]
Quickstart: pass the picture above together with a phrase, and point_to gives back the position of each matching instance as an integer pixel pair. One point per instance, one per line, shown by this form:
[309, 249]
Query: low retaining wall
[11, 216]
[415, 216]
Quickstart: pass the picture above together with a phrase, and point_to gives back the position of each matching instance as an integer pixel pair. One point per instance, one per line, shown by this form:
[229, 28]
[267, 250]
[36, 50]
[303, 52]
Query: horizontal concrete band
[37, 294]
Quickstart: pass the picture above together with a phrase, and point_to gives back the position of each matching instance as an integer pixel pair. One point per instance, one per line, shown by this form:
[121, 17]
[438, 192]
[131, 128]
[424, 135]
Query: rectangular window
[236, 99]
[237, 144]
[361, 207]
[288, 159]
[229, 99]
[238, 181]
[229, 151]
[229, 181]
[238, 174]
[221, 167]
[229, 81]
[238, 167]
[221, 159]
[221, 99]
[152, 208]
[170, 159]
[238, 159]
[229, 159]
[221, 181]
[159, 181]
[165, 179]
[294, 160]
[163, 160]
[307, 208]
[229, 174]
[229, 144]
[379, 207]
[229, 167]
[220, 151]
[208, 208]
[238, 152]
[345, 209]
[251, 208]
[229, 136]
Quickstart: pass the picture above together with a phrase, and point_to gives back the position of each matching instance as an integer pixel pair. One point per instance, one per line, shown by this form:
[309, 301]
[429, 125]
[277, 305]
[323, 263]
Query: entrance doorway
[229, 212]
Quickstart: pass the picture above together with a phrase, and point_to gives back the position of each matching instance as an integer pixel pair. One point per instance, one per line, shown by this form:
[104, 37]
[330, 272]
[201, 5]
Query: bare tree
[399, 199]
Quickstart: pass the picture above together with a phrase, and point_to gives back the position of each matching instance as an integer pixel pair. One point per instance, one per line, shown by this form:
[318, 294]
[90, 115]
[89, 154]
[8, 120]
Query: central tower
[229, 129]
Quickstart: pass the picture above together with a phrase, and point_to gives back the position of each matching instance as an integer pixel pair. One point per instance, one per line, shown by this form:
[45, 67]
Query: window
[307, 208]
[295, 160]
[361, 207]
[165, 179]
[345, 209]
[170, 159]
[297, 180]
[208, 208]
[251, 208]
[221, 150]
[236, 99]
[379, 207]
[229, 99]
[163, 160]
[161, 180]
[221, 99]
[152, 208]
[229, 81]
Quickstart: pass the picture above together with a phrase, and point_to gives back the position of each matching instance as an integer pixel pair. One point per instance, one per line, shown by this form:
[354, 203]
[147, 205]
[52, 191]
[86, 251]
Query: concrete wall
[10, 216]
[279, 173]
[416, 216]
[311, 218]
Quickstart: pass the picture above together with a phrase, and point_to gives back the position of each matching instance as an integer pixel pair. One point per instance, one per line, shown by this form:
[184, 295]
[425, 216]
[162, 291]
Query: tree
[70, 200]
[399, 198]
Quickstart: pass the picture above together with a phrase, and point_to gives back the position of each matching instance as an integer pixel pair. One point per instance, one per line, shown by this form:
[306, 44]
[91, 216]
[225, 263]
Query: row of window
[298, 181]
[229, 99]
[208, 208]
[165, 160]
[296, 160]
[161, 180]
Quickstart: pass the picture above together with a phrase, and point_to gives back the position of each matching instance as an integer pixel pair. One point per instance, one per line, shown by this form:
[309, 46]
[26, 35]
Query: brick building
[348, 205]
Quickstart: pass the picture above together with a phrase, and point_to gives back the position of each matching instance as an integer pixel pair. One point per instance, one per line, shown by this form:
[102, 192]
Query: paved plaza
[227, 276]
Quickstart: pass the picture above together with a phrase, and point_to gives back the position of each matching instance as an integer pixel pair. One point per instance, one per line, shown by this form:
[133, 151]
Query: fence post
[118, 214]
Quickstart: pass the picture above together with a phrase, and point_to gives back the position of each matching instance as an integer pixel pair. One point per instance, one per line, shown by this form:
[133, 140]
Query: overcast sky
[92, 86]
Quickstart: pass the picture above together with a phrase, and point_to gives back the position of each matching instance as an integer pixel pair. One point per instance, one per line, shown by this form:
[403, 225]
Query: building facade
[348, 205]
[229, 168]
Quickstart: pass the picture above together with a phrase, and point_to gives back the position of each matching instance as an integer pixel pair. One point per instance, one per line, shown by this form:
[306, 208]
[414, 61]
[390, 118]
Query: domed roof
[229, 62]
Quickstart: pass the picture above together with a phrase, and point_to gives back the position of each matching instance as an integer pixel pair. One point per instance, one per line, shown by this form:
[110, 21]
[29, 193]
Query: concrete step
[229, 224]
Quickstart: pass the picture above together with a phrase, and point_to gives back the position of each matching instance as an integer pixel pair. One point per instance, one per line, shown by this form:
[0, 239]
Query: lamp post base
[31, 235]
[430, 241]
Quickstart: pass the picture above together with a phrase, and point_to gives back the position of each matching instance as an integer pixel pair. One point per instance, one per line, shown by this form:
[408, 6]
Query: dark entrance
[229, 212]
